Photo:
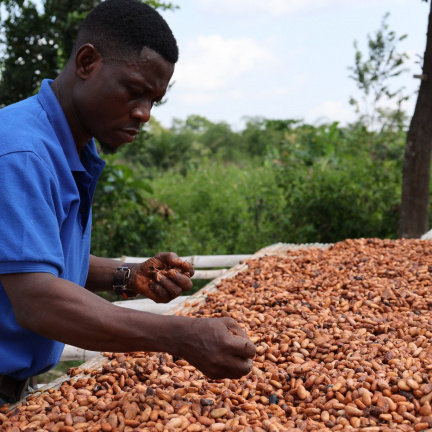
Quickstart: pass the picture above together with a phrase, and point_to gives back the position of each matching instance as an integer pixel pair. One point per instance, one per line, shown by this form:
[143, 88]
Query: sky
[281, 59]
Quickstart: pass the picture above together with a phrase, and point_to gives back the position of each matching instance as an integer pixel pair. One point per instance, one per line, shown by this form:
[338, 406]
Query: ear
[86, 59]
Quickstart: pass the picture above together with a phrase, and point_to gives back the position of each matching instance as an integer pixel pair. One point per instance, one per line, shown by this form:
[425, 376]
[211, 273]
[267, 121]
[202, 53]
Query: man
[121, 64]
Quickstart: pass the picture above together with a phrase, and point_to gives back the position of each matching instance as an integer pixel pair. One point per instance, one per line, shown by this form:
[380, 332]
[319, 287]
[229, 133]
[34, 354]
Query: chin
[107, 148]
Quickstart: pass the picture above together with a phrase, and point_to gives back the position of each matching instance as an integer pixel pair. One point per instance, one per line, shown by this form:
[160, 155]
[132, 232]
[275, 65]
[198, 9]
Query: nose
[142, 112]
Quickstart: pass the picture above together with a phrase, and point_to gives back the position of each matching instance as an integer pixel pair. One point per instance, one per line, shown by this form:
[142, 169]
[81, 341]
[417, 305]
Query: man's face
[118, 95]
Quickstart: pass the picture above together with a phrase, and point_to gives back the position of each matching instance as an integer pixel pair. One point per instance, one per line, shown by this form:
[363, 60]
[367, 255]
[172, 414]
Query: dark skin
[109, 100]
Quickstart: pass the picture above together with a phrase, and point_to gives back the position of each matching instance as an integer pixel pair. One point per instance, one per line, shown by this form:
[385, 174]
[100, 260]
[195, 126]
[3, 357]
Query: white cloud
[206, 98]
[267, 58]
[342, 112]
[330, 111]
[279, 7]
[212, 63]
[253, 7]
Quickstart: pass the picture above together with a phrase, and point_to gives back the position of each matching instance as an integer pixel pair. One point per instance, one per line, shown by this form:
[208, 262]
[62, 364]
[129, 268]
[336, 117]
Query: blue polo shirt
[46, 191]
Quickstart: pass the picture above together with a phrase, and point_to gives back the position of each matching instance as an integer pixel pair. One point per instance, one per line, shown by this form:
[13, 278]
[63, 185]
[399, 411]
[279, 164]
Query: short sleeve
[30, 216]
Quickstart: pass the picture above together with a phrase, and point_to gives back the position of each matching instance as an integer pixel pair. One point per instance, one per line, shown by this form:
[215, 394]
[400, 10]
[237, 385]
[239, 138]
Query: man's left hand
[161, 278]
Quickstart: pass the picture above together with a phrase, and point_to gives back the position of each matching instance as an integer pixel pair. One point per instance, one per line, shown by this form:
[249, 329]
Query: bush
[222, 209]
[316, 184]
[341, 183]
[126, 219]
[352, 200]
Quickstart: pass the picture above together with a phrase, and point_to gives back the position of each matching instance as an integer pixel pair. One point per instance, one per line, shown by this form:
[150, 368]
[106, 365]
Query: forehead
[148, 66]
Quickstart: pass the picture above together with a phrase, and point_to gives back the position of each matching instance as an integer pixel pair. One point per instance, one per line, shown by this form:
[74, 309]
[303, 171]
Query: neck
[61, 89]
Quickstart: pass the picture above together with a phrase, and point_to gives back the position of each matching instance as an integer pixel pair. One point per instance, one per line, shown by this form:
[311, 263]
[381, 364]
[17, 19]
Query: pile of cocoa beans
[343, 340]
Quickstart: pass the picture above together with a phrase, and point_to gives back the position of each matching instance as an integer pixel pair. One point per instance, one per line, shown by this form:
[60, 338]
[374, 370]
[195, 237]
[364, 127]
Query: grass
[58, 371]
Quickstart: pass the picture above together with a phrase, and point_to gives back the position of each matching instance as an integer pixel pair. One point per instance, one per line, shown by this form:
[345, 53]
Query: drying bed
[343, 336]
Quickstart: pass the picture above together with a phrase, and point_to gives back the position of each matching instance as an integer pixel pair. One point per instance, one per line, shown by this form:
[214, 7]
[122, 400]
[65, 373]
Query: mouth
[129, 134]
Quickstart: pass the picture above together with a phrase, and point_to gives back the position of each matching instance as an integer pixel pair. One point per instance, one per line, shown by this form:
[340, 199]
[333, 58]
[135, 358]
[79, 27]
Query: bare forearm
[63, 311]
[66, 312]
[160, 278]
[101, 272]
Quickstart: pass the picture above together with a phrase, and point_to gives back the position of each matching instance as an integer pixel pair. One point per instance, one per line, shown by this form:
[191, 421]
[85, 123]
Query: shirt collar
[61, 127]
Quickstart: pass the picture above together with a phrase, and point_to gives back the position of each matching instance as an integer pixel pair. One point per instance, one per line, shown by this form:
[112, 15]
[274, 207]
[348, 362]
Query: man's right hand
[218, 347]
[61, 310]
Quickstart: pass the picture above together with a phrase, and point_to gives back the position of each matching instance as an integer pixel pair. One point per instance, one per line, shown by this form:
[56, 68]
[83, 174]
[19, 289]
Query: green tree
[186, 144]
[36, 41]
[373, 76]
[158, 149]
[256, 136]
[30, 51]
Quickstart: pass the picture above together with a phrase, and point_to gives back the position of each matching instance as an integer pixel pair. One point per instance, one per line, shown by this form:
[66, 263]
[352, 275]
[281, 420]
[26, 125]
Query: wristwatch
[120, 282]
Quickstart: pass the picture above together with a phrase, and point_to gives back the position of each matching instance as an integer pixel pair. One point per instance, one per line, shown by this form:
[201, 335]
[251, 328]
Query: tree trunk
[416, 169]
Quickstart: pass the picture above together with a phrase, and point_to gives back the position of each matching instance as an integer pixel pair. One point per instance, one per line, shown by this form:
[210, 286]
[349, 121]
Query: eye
[134, 92]
[158, 101]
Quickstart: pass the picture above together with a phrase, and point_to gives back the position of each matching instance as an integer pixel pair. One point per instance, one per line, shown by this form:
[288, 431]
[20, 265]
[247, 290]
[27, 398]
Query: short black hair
[122, 27]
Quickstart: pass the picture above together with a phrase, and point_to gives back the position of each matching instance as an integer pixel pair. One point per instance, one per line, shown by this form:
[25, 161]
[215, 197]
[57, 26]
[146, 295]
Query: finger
[171, 286]
[242, 367]
[179, 280]
[153, 264]
[171, 259]
[160, 294]
[234, 328]
[238, 367]
[242, 347]
[187, 267]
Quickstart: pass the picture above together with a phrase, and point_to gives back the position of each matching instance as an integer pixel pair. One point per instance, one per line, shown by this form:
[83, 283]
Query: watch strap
[121, 280]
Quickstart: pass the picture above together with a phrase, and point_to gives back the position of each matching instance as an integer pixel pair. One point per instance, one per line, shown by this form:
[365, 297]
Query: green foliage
[283, 180]
[184, 146]
[126, 221]
[311, 183]
[261, 134]
[30, 53]
[158, 149]
[222, 209]
[373, 76]
[163, 5]
[335, 188]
